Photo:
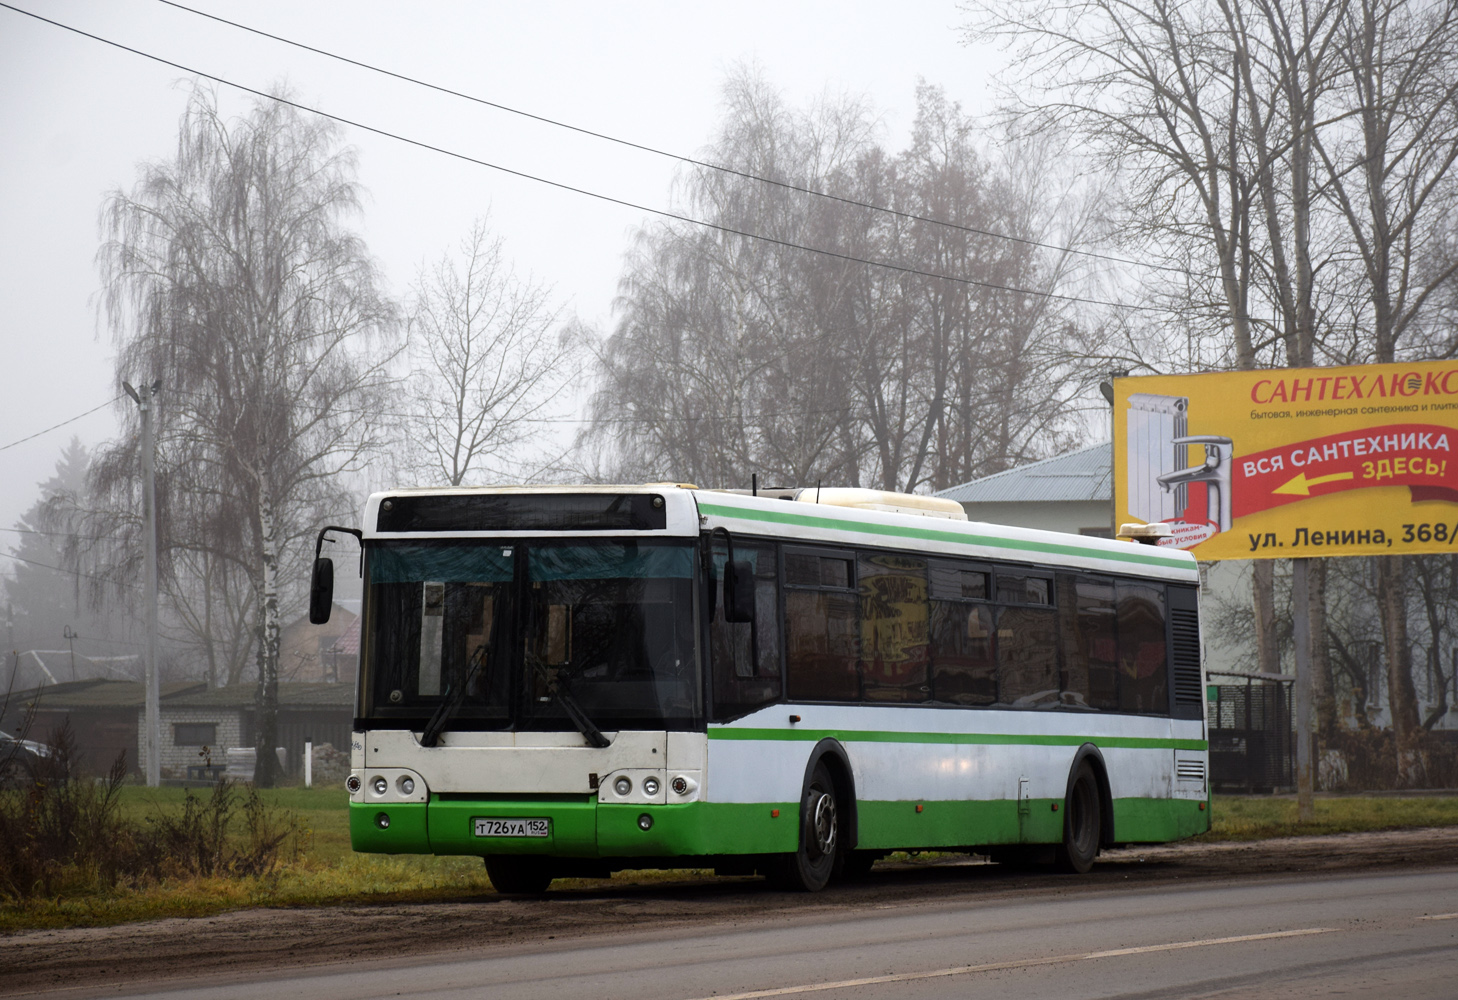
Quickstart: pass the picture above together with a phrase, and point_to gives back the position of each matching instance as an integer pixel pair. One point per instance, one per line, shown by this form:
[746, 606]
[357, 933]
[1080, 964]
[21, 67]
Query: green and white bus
[574, 681]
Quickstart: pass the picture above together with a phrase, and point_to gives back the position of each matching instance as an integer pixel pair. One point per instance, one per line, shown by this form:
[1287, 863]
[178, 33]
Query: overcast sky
[77, 116]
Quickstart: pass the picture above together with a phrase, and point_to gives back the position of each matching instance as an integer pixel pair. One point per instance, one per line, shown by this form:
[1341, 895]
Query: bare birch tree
[487, 365]
[229, 276]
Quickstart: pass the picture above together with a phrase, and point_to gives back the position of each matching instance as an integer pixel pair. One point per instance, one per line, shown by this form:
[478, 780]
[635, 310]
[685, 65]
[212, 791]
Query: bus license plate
[491, 827]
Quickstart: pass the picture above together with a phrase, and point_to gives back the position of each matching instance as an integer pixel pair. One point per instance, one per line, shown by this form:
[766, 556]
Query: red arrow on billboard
[1418, 456]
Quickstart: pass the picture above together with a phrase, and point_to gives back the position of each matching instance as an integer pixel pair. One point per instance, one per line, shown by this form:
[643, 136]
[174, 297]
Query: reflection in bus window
[1027, 655]
[1143, 663]
[1090, 663]
[1015, 588]
[948, 580]
[820, 638]
[432, 608]
[964, 671]
[745, 656]
[893, 627]
[611, 621]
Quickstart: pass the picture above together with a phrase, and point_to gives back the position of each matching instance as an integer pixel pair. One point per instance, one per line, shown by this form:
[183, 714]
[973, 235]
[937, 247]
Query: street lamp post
[144, 398]
[71, 635]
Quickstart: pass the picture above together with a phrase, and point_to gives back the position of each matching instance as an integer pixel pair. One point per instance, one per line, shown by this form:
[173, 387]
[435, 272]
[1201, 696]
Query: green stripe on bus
[587, 828]
[899, 531]
[975, 739]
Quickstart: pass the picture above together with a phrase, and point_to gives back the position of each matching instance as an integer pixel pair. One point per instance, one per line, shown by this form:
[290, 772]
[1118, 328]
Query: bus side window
[745, 656]
[893, 591]
[821, 626]
[1143, 654]
[1027, 640]
[1090, 663]
[962, 651]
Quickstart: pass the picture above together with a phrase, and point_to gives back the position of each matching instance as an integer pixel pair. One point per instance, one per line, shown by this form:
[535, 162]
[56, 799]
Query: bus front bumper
[579, 827]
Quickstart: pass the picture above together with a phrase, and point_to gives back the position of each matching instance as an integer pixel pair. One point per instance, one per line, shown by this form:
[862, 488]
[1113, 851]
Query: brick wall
[176, 759]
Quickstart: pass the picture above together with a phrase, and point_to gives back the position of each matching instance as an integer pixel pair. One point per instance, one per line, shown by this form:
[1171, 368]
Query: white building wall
[1073, 516]
[176, 759]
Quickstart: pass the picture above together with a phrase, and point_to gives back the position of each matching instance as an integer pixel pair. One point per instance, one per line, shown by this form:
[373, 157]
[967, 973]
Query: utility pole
[1301, 639]
[1106, 388]
[71, 635]
[144, 398]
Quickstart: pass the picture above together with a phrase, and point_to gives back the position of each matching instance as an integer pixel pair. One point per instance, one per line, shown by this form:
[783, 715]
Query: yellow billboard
[1292, 462]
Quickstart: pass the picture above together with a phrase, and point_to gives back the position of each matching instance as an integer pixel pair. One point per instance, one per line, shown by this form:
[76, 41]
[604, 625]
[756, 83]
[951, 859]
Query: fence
[1251, 741]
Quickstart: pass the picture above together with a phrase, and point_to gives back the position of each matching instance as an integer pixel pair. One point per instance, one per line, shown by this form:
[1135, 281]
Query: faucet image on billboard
[1214, 474]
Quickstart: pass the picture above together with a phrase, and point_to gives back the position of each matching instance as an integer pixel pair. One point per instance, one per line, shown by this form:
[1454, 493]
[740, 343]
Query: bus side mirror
[321, 591]
[739, 591]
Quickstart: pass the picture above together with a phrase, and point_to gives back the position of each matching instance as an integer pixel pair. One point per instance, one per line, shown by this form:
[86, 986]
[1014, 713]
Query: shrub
[62, 834]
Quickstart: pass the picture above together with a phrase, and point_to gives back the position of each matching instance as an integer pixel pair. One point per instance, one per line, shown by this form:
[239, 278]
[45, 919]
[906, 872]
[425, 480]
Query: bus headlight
[650, 786]
[382, 820]
[623, 785]
[645, 822]
[380, 785]
[407, 785]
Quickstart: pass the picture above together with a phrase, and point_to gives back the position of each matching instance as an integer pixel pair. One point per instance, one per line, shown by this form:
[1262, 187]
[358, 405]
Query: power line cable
[561, 185]
[54, 534]
[68, 572]
[63, 423]
[642, 147]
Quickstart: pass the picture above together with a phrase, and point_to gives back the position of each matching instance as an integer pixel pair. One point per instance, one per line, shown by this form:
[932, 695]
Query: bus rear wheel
[516, 875]
[812, 864]
[1082, 824]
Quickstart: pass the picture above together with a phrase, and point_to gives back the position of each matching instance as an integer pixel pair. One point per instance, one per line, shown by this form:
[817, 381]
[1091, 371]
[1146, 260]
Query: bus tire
[515, 875]
[1082, 823]
[809, 868]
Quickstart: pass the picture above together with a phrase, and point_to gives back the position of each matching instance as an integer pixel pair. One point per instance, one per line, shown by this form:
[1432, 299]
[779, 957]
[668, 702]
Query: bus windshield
[602, 625]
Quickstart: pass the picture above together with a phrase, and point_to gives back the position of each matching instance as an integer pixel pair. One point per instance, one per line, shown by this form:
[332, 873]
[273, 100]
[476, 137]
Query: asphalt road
[1379, 935]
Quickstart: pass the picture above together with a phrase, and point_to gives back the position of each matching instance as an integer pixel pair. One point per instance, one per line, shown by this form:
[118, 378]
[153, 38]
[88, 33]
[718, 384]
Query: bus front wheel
[812, 864]
[1082, 823]
[518, 875]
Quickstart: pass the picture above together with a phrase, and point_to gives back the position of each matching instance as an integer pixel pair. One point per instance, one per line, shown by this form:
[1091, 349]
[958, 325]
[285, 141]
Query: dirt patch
[250, 940]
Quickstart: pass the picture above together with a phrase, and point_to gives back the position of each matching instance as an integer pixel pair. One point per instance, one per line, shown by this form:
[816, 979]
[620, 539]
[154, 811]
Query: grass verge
[1262, 817]
[327, 873]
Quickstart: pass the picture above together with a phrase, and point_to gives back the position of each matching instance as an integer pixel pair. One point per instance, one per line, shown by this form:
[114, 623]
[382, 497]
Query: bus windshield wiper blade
[561, 692]
[579, 718]
[454, 695]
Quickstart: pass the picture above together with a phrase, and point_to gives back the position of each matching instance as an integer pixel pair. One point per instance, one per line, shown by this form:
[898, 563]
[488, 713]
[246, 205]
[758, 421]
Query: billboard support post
[1301, 639]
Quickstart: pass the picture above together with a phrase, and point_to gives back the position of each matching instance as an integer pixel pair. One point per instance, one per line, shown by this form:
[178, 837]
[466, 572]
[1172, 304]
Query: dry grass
[1262, 817]
[326, 872]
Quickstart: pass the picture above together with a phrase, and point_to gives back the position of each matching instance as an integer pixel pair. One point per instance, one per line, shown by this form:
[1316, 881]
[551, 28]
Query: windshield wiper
[454, 695]
[561, 691]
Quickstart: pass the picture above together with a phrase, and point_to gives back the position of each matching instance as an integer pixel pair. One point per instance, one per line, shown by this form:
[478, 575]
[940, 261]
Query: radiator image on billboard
[1153, 425]
[1277, 463]
[1160, 482]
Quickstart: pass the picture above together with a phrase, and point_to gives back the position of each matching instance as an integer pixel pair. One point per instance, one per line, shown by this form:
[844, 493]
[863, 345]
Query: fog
[78, 116]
